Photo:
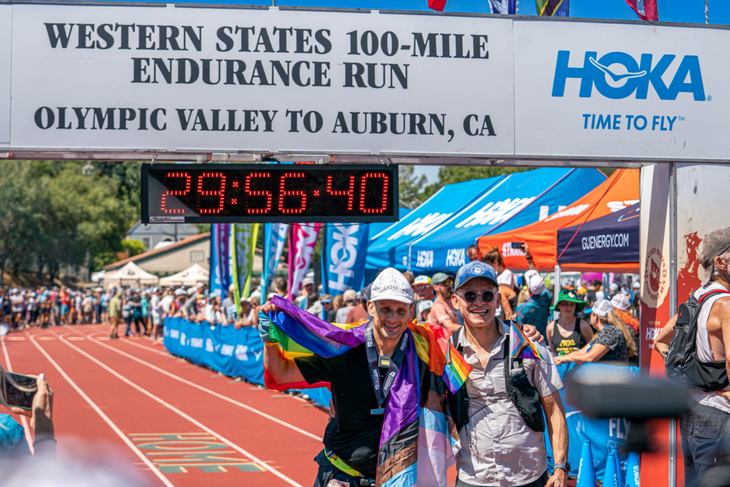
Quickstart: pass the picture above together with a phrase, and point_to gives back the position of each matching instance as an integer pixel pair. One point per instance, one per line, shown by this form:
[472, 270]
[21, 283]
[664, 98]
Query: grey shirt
[497, 447]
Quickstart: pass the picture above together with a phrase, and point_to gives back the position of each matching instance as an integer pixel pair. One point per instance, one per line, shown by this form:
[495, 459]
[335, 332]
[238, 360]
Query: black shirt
[354, 434]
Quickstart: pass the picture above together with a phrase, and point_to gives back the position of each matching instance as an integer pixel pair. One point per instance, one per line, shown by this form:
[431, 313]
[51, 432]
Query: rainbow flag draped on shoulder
[523, 347]
[419, 441]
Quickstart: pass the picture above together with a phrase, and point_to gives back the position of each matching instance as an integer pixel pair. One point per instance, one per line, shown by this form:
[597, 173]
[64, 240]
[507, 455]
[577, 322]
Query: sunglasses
[448, 283]
[471, 296]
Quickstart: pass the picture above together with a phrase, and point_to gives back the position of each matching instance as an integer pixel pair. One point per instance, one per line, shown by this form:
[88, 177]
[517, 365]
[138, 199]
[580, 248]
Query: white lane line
[108, 421]
[180, 413]
[211, 392]
[23, 419]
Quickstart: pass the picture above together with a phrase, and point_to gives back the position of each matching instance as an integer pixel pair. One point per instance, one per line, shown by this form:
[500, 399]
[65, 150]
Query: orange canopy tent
[617, 192]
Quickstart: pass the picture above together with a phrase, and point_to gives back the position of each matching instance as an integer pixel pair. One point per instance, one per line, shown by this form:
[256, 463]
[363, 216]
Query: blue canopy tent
[611, 239]
[515, 201]
[437, 209]
[378, 227]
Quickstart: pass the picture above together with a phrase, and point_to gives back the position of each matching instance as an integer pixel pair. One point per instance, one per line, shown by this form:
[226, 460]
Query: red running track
[172, 423]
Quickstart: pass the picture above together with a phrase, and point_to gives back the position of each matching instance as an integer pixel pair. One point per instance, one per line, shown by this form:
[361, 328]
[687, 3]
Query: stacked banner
[301, 249]
[243, 246]
[274, 240]
[343, 259]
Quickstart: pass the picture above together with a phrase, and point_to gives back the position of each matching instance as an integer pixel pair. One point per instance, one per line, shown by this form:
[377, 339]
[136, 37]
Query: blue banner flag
[215, 273]
[274, 240]
[343, 257]
[224, 257]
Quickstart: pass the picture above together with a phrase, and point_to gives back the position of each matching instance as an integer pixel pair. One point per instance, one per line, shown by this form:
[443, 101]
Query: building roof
[162, 229]
[180, 244]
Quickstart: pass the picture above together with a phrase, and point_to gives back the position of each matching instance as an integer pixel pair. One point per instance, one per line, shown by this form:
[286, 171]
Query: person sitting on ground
[568, 333]
[349, 299]
[620, 303]
[12, 437]
[535, 310]
[443, 312]
[614, 341]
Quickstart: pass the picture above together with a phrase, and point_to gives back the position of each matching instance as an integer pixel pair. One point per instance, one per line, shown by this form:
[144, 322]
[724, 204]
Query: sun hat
[350, 295]
[474, 270]
[601, 308]
[570, 296]
[613, 287]
[307, 281]
[620, 301]
[391, 284]
[714, 244]
[636, 285]
[422, 281]
[326, 299]
[534, 282]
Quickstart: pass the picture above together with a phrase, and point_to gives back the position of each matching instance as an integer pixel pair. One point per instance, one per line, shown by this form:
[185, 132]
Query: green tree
[410, 187]
[458, 174]
[133, 246]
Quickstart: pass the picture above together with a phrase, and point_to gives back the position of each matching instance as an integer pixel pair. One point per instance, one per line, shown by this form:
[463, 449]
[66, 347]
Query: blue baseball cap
[473, 270]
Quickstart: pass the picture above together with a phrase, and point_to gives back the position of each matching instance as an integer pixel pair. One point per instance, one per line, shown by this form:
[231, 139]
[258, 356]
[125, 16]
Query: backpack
[681, 363]
[522, 394]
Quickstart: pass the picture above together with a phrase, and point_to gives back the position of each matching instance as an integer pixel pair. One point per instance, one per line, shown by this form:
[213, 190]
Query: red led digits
[247, 188]
[350, 193]
[384, 193]
[284, 192]
[182, 192]
[221, 193]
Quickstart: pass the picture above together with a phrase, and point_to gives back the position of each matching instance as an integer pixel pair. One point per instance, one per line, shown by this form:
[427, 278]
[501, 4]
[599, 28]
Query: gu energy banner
[274, 240]
[343, 257]
[224, 256]
[301, 248]
[243, 245]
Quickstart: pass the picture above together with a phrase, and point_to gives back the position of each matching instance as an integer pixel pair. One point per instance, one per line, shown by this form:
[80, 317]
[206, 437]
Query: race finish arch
[249, 84]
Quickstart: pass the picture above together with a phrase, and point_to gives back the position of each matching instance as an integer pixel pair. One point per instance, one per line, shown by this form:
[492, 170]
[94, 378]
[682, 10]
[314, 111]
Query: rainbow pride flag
[523, 347]
[456, 370]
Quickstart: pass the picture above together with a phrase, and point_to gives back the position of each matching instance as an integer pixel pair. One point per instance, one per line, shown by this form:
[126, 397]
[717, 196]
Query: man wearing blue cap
[502, 444]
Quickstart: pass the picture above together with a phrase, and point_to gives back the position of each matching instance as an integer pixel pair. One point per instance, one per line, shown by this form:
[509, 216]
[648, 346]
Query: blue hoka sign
[618, 75]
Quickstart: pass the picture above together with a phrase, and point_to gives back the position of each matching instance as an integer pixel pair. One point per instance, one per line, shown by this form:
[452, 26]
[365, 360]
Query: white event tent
[189, 277]
[130, 275]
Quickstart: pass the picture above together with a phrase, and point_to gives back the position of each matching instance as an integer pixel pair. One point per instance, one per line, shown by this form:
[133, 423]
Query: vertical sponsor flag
[274, 240]
[646, 9]
[553, 8]
[301, 247]
[215, 273]
[343, 257]
[224, 256]
[495, 6]
[243, 247]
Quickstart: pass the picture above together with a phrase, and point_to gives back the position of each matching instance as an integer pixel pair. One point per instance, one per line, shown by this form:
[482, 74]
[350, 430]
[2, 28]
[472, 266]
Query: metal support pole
[556, 289]
[672, 305]
[707, 12]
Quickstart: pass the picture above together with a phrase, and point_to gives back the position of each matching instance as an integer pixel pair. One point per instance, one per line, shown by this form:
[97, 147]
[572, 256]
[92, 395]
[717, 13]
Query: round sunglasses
[471, 296]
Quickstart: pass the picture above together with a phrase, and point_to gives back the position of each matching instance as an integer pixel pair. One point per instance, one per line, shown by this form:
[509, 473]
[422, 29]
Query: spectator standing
[423, 289]
[620, 303]
[87, 307]
[568, 333]
[704, 426]
[306, 291]
[360, 312]
[115, 311]
[105, 297]
[281, 287]
[337, 303]
[535, 310]
[443, 312]
[635, 307]
[423, 309]
[473, 253]
[327, 307]
[350, 300]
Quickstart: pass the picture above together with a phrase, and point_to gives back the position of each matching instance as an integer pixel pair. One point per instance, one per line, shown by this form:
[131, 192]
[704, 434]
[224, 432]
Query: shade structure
[432, 213]
[189, 277]
[611, 239]
[619, 191]
[515, 201]
[131, 275]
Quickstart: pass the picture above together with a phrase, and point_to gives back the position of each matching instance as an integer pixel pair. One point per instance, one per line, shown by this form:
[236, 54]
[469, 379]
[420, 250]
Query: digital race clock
[229, 193]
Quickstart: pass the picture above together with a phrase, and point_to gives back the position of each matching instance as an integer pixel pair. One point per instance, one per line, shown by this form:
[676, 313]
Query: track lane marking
[108, 421]
[23, 419]
[204, 389]
[180, 413]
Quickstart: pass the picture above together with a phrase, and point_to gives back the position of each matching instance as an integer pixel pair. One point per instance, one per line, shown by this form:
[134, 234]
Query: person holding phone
[40, 410]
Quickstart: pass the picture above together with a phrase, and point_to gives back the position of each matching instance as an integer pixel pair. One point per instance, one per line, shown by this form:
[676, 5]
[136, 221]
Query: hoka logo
[618, 75]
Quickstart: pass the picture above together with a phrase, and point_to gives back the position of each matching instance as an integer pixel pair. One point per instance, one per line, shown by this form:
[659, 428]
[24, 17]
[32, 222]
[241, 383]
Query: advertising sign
[5, 43]
[265, 80]
[616, 90]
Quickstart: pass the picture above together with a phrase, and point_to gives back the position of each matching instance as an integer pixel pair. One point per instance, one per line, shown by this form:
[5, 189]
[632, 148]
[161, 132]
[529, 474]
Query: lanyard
[381, 393]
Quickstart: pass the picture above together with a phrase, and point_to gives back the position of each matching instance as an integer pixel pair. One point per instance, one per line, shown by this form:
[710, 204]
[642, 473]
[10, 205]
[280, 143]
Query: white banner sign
[260, 80]
[333, 82]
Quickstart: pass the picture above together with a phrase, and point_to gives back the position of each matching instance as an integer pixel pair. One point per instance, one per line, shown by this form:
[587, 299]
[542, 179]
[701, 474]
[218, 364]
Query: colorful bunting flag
[553, 8]
[523, 347]
[456, 370]
[646, 9]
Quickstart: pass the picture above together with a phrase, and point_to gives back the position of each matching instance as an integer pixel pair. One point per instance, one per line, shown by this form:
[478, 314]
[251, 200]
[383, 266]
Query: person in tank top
[568, 333]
